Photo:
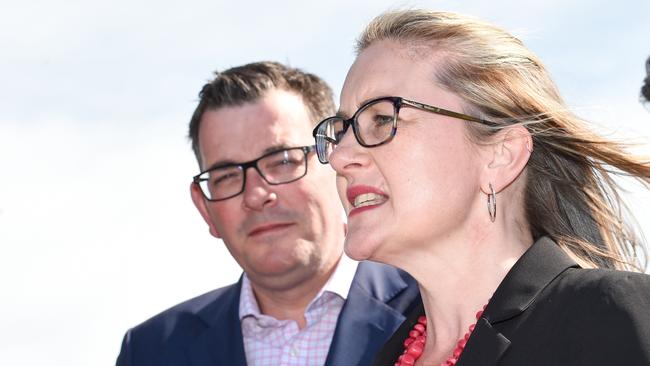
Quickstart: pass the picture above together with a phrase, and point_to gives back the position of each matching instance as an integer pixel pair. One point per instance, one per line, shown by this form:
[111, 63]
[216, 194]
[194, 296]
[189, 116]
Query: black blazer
[206, 331]
[549, 311]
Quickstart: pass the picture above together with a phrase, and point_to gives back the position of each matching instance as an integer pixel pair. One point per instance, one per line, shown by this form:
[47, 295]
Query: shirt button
[293, 352]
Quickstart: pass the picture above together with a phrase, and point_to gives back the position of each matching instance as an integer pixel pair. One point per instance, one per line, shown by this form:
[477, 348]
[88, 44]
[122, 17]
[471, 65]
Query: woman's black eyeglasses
[373, 124]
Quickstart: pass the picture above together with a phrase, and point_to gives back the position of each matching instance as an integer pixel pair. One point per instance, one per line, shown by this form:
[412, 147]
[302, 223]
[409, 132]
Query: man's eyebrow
[228, 162]
[221, 164]
[275, 148]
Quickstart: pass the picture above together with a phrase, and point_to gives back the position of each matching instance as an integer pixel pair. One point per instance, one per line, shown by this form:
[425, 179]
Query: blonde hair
[570, 193]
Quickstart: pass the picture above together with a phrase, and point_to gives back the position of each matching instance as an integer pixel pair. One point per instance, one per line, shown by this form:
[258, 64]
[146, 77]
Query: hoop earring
[492, 203]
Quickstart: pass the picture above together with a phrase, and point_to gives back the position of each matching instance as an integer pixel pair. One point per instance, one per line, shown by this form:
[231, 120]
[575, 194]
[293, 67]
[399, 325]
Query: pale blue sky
[97, 230]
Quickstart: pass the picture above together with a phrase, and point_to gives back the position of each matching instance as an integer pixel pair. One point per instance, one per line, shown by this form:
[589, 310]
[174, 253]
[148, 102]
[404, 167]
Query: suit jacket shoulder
[206, 330]
[176, 336]
[549, 311]
[611, 308]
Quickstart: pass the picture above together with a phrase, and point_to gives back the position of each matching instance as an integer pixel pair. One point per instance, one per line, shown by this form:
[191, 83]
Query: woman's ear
[508, 155]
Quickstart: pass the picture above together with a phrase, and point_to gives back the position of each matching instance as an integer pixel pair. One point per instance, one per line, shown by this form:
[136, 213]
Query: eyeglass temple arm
[445, 112]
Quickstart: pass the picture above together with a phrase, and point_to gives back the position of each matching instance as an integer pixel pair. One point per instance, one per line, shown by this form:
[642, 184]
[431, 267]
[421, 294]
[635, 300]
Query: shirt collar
[339, 284]
[342, 277]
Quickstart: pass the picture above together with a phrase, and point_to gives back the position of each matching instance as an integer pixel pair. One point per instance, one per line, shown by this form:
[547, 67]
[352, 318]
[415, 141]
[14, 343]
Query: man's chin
[280, 275]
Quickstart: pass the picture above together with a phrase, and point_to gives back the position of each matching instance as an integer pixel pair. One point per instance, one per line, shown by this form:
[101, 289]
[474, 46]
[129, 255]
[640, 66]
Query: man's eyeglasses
[373, 124]
[278, 167]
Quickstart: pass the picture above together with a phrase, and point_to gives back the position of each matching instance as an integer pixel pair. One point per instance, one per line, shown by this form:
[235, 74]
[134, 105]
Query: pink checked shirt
[272, 342]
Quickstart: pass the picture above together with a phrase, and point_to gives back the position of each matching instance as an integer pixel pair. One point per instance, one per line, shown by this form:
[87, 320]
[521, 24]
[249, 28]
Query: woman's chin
[358, 250]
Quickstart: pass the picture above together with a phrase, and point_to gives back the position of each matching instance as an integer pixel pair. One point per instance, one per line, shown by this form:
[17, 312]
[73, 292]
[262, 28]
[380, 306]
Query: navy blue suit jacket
[206, 330]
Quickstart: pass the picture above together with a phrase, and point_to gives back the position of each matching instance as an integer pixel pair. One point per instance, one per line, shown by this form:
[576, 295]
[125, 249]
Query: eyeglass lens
[372, 124]
[277, 168]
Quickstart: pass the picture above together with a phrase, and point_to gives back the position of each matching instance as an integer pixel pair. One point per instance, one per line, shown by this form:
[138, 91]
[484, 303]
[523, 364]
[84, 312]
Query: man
[263, 192]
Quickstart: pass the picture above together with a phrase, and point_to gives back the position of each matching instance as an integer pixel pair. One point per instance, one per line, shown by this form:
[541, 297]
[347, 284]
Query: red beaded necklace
[414, 344]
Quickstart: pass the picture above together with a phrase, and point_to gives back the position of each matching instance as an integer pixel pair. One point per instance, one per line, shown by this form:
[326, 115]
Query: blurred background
[97, 229]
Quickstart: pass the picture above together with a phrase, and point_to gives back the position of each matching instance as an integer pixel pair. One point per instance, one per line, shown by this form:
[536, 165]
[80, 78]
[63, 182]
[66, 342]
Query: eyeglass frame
[253, 164]
[398, 102]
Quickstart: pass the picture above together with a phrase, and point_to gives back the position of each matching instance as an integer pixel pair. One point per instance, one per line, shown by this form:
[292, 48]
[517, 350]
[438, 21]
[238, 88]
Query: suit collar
[379, 281]
[537, 268]
[222, 342]
[366, 319]
[485, 346]
[363, 325]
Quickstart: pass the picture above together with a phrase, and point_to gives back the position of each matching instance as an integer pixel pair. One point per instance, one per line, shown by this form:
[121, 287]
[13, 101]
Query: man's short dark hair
[248, 83]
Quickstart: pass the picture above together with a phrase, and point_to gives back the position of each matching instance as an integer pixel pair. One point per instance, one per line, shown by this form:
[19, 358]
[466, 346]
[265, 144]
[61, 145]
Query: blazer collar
[366, 320]
[364, 324]
[538, 267]
[222, 342]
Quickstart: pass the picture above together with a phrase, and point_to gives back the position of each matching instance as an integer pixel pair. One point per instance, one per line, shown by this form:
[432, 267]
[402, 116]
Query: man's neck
[291, 303]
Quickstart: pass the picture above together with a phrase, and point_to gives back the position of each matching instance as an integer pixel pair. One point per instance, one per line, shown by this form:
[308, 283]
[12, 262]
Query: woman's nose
[348, 154]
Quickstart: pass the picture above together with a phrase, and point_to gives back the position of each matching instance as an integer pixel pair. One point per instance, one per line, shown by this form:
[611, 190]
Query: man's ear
[201, 204]
[508, 155]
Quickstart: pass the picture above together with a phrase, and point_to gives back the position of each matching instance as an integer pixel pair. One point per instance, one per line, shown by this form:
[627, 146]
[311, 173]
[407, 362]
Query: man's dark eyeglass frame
[252, 164]
[398, 102]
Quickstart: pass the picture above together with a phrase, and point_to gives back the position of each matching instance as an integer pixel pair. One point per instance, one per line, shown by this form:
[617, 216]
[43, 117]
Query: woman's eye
[381, 120]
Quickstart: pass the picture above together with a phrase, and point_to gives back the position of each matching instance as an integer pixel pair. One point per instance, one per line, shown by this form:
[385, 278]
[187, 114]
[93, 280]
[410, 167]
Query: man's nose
[257, 191]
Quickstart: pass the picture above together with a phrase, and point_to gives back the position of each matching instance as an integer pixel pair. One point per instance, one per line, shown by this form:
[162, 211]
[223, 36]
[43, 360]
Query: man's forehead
[228, 159]
[242, 133]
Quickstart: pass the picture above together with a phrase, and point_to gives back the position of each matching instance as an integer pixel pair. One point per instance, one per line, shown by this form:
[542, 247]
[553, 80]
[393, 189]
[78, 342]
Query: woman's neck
[457, 278]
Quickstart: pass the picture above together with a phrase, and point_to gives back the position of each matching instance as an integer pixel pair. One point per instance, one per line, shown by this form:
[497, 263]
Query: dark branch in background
[645, 89]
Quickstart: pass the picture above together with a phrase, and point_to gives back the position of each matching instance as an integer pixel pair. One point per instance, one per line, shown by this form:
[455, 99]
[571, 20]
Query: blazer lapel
[539, 266]
[222, 343]
[485, 346]
[366, 321]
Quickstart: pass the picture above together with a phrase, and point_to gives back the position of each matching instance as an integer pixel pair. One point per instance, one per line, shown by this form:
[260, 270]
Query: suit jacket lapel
[363, 326]
[366, 321]
[539, 266]
[485, 346]
[222, 343]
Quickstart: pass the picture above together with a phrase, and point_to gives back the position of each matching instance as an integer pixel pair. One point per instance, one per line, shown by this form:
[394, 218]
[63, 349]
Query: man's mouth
[268, 228]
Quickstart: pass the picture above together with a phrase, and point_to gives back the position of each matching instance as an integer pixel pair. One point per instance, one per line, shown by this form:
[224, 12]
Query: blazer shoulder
[619, 299]
[179, 325]
[606, 283]
[212, 301]
[608, 311]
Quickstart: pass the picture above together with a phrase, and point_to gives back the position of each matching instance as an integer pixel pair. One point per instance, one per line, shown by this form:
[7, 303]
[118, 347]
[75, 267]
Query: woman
[449, 113]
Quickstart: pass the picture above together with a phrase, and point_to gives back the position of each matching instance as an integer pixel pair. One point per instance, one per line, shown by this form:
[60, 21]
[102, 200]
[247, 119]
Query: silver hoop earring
[492, 203]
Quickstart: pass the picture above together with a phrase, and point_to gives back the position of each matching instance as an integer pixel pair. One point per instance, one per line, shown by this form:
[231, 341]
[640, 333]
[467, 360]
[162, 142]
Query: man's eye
[284, 161]
[224, 178]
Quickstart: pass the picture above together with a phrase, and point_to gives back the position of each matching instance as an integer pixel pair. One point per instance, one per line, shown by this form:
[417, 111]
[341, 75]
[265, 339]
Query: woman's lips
[363, 198]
